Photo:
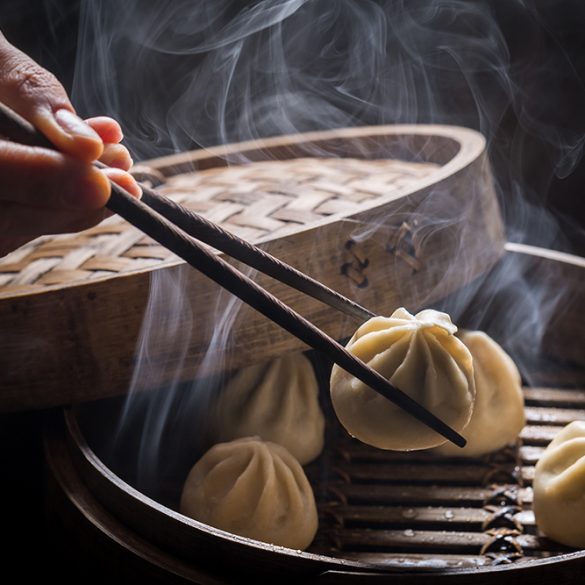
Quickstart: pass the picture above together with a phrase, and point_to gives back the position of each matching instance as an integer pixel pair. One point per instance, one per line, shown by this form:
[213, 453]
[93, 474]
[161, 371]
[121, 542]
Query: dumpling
[278, 401]
[255, 489]
[498, 413]
[420, 355]
[559, 487]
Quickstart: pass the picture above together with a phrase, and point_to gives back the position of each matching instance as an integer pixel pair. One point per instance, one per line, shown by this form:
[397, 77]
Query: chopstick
[211, 233]
[158, 227]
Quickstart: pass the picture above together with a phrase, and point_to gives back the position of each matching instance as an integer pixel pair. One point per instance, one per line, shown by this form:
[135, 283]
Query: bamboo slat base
[384, 515]
[384, 503]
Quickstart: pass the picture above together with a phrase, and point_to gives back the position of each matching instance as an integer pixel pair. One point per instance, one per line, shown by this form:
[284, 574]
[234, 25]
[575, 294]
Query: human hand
[45, 191]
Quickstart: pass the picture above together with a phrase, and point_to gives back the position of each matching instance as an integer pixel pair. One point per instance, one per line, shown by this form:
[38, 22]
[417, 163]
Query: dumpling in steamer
[498, 414]
[255, 489]
[278, 401]
[559, 487]
[420, 355]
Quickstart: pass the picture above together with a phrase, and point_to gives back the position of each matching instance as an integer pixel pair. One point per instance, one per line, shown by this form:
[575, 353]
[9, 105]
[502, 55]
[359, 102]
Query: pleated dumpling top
[276, 400]
[255, 489]
[420, 355]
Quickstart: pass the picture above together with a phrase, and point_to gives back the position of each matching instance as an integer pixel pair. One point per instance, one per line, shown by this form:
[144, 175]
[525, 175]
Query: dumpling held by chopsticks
[420, 355]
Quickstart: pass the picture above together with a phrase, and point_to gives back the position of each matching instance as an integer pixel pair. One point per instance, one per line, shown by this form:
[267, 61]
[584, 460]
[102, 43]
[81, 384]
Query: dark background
[547, 67]
[536, 32]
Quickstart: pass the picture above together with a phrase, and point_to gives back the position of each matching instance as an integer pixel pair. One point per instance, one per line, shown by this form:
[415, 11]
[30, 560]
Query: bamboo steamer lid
[387, 215]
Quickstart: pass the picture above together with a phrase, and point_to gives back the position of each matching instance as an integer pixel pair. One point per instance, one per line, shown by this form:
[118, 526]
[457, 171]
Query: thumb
[37, 96]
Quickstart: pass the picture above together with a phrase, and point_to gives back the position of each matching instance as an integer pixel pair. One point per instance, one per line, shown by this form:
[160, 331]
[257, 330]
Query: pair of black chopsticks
[178, 229]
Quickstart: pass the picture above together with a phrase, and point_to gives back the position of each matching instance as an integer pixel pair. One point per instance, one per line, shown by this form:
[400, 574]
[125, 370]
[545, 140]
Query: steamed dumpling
[420, 355]
[559, 487]
[278, 401]
[255, 489]
[498, 414]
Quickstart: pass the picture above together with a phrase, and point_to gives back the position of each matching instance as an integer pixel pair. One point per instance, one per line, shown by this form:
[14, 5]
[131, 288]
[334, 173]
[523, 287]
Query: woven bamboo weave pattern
[253, 201]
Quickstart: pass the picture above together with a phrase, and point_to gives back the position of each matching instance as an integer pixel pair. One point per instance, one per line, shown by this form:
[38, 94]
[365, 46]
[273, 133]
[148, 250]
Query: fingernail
[74, 125]
[117, 156]
[125, 180]
[90, 191]
[136, 189]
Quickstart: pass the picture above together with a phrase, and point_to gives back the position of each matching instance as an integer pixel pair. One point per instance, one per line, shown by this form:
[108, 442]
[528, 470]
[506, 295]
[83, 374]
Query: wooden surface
[409, 244]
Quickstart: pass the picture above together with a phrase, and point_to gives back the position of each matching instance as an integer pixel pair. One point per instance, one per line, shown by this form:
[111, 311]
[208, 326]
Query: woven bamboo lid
[387, 215]
[262, 200]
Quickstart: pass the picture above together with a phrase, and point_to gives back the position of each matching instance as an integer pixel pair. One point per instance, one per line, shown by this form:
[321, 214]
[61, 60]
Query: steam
[212, 72]
[181, 75]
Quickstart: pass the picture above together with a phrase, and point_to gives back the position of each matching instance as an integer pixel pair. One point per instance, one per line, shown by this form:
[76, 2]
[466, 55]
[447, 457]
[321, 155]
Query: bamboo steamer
[388, 216]
[384, 517]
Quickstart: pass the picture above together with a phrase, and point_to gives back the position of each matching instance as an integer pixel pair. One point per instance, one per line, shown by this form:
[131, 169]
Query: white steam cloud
[187, 74]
